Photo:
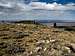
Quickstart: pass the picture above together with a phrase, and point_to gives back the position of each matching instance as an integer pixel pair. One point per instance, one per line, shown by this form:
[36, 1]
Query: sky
[26, 9]
[9, 6]
[15, 6]
[58, 1]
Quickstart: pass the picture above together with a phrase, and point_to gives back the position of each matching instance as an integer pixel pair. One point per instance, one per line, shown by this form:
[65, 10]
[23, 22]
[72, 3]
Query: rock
[67, 49]
[47, 41]
[41, 41]
[31, 52]
[37, 49]
[38, 55]
[45, 49]
[52, 40]
[18, 24]
[72, 47]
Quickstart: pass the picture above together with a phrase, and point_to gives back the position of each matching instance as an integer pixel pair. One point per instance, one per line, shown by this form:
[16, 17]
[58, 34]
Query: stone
[47, 41]
[67, 49]
[72, 47]
[52, 40]
[37, 49]
[41, 41]
[45, 49]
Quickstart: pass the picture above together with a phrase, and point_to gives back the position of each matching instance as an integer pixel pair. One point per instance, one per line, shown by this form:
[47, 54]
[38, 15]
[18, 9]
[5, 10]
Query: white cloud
[53, 6]
[18, 6]
[13, 7]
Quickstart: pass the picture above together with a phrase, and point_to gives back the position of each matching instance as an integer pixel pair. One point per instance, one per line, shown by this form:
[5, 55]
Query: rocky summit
[19, 39]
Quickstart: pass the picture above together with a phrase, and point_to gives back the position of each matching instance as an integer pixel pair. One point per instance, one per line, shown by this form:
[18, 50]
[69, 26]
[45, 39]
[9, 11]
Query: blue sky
[58, 1]
[51, 1]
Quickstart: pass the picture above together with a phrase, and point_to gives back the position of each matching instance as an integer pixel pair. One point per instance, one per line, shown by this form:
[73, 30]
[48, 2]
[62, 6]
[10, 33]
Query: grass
[22, 39]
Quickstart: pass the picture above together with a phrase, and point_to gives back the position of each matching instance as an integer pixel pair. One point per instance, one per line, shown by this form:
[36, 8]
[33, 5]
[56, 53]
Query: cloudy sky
[15, 6]
[28, 9]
